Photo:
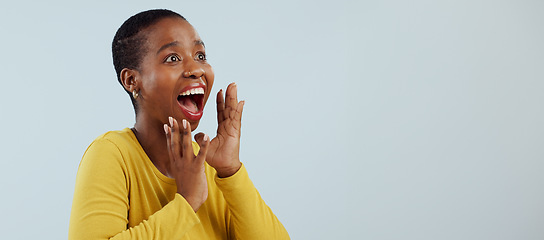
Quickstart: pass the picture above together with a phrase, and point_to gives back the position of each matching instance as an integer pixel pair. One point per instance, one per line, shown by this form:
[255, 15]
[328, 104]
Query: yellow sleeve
[100, 205]
[250, 217]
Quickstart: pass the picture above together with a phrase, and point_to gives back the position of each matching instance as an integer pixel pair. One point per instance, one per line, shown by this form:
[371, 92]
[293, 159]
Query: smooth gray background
[363, 119]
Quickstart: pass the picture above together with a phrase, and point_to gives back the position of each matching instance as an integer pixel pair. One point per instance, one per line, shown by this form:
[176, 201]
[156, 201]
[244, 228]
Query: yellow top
[120, 194]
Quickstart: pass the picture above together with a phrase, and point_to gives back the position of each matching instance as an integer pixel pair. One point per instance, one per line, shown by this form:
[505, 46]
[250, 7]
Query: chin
[194, 125]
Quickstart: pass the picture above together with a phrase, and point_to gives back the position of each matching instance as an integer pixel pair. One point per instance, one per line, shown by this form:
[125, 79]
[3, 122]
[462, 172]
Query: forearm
[104, 222]
[172, 221]
[250, 217]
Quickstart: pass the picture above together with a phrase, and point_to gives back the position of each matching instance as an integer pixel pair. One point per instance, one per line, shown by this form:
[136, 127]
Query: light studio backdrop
[363, 119]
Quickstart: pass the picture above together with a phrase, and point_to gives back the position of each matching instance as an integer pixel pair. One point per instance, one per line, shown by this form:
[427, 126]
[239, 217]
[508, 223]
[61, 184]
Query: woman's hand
[223, 153]
[186, 168]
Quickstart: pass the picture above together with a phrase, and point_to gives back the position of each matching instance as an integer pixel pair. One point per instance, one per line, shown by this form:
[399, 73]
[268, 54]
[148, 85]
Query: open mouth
[191, 101]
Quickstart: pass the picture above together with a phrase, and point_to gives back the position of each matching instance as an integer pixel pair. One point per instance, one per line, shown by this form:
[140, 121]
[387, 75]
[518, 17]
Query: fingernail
[171, 120]
[206, 137]
[165, 128]
[184, 123]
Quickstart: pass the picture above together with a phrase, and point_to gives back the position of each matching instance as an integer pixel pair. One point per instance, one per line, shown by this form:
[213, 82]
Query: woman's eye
[172, 58]
[201, 56]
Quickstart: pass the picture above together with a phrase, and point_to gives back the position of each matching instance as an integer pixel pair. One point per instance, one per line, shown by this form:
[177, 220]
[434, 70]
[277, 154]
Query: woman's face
[174, 77]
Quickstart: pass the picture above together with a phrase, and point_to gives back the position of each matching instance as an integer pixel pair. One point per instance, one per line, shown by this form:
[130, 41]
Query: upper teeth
[193, 91]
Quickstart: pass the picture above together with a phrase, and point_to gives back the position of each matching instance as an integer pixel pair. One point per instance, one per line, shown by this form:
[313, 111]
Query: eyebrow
[165, 46]
[200, 42]
[176, 43]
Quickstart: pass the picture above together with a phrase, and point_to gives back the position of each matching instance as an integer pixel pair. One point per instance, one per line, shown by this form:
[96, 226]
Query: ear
[129, 79]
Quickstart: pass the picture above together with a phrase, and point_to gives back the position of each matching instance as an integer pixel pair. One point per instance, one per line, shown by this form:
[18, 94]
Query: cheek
[210, 77]
[209, 82]
[158, 84]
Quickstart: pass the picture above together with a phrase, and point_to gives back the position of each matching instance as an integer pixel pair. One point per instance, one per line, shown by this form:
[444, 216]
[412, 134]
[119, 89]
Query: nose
[193, 70]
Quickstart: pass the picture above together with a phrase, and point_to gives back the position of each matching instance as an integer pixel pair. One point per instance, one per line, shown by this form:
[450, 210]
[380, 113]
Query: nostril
[193, 74]
[187, 74]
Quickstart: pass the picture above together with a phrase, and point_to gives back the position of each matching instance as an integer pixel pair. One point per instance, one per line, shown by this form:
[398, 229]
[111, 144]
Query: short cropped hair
[129, 45]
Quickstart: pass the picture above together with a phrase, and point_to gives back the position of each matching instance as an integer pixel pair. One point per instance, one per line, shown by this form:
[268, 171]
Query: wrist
[194, 203]
[228, 171]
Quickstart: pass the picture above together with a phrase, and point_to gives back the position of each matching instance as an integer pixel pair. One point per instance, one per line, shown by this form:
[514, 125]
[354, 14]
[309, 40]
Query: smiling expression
[174, 77]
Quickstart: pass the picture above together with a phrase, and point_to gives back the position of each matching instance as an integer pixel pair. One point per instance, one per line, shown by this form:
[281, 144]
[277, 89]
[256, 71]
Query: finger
[231, 96]
[187, 143]
[238, 115]
[167, 132]
[203, 142]
[220, 100]
[231, 100]
[175, 138]
[199, 136]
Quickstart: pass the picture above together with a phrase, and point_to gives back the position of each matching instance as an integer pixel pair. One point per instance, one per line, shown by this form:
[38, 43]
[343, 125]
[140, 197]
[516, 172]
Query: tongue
[189, 104]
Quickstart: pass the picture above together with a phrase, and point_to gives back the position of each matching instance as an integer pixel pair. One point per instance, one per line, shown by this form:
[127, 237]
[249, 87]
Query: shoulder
[118, 137]
[113, 140]
[103, 168]
[109, 148]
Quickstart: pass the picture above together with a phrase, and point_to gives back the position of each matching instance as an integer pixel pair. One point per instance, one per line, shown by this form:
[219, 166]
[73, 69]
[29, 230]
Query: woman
[152, 181]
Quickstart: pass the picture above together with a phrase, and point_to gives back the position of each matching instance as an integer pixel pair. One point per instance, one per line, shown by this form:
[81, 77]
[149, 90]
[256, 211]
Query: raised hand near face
[187, 169]
[223, 152]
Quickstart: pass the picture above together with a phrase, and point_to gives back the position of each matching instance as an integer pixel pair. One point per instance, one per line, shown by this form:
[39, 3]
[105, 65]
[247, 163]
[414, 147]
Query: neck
[153, 140]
